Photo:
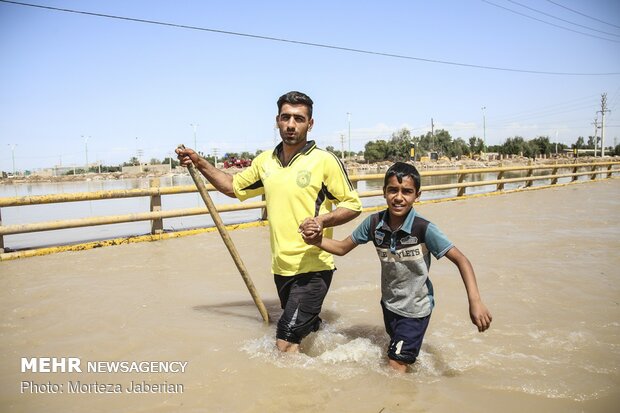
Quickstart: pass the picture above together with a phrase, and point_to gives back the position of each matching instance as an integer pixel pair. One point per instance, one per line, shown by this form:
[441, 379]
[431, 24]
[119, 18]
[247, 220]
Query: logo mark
[409, 240]
[303, 178]
[379, 237]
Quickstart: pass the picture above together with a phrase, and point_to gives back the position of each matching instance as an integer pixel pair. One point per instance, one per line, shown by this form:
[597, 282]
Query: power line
[320, 45]
[542, 114]
[546, 22]
[558, 18]
[578, 103]
[582, 14]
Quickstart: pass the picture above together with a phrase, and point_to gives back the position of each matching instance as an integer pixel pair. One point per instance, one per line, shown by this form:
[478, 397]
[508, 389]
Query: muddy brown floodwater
[548, 268]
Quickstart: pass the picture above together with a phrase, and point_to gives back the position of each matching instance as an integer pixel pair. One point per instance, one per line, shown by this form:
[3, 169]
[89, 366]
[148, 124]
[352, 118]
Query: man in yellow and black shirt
[299, 181]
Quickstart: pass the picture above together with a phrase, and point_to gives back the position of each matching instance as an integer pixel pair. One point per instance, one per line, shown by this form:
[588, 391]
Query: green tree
[459, 148]
[210, 159]
[174, 162]
[443, 142]
[400, 145]
[334, 151]
[494, 148]
[530, 149]
[591, 141]
[108, 168]
[376, 151]
[541, 145]
[476, 145]
[132, 162]
[424, 143]
[579, 143]
[230, 155]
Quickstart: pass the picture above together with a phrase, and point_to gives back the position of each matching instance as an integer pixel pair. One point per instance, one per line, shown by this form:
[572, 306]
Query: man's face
[400, 196]
[294, 124]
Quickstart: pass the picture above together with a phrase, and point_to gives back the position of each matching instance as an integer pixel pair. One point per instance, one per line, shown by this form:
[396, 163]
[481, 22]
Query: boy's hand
[311, 231]
[480, 315]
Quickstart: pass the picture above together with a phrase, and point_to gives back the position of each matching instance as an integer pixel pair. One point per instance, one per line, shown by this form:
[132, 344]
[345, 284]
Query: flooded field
[547, 267]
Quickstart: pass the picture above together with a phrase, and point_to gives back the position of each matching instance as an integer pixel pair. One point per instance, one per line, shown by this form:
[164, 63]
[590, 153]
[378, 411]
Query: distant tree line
[398, 147]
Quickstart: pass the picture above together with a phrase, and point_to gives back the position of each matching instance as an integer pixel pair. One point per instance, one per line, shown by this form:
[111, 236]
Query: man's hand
[187, 156]
[311, 230]
[222, 181]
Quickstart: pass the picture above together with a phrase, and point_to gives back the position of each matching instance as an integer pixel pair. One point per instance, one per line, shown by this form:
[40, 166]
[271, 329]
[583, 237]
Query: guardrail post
[461, 180]
[263, 211]
[500, 175]
[609, 171]
[157, 225]
[593, 177]
[554, 171]
[1, 236]
[575, 171]
[530, 173]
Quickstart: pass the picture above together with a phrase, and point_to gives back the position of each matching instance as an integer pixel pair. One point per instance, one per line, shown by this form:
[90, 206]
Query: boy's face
[400, 196]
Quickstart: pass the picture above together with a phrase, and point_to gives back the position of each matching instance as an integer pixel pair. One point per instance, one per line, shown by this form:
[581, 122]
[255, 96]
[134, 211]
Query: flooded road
[547, 267]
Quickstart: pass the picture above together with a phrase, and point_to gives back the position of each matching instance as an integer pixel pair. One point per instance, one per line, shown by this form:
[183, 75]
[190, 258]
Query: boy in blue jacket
[404, 242]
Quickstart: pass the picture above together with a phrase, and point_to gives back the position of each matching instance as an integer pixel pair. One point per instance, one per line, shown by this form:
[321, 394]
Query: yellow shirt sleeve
[339, 187]
[247, 183]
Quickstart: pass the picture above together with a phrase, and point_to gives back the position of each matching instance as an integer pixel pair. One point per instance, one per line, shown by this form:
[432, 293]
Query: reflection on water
[85, 209]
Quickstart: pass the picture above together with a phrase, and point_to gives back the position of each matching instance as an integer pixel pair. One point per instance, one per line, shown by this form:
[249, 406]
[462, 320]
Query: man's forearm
[220, 180]
[337, 217]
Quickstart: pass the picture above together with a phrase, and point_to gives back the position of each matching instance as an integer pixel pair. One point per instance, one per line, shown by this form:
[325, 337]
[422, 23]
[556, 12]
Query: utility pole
[86, 152]
[484, 128]
[342, 146]
[194, 126]
[13, 155]
[139, 154]
[595, 123]
[432, 135]
[215, 156]
[349, 121]
[602, 112]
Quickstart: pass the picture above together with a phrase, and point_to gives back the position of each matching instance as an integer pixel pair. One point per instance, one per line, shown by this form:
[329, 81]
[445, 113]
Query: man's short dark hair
[400, 170]
[296, 98]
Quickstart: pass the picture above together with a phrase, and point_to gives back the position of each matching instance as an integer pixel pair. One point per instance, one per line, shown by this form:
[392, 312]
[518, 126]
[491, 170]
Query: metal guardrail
[156, 215]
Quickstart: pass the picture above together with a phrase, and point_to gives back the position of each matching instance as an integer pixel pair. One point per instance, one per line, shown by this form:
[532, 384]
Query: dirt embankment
[352, 167]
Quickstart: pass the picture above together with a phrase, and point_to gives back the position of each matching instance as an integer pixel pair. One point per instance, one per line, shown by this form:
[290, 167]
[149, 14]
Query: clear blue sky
[128, 85]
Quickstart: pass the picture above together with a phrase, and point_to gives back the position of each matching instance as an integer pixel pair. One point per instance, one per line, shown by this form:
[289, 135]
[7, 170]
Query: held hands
[480, 315]
[311, 230]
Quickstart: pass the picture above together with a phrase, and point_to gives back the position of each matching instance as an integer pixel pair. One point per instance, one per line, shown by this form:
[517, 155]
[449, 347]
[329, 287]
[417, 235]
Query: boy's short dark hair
[296, 98]
[400, 170]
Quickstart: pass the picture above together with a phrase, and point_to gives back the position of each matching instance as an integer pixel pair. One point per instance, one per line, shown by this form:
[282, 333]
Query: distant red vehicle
[237, 163]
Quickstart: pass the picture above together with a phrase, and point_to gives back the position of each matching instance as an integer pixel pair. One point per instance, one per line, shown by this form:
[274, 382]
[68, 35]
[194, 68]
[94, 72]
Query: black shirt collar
[307, 148]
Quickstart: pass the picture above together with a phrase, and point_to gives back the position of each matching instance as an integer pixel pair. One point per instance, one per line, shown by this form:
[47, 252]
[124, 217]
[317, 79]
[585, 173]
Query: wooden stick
[227, 240]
